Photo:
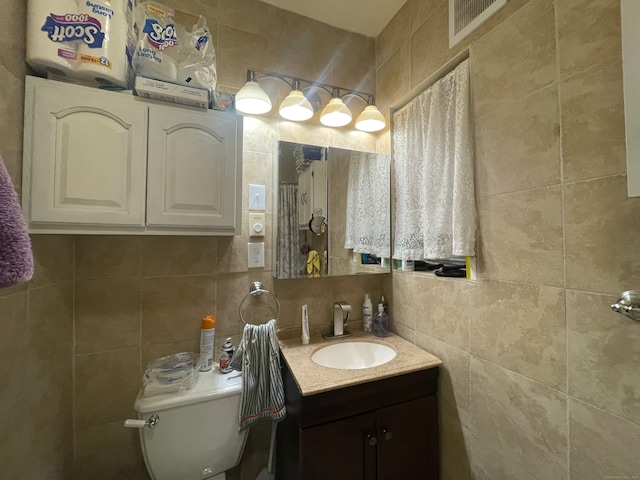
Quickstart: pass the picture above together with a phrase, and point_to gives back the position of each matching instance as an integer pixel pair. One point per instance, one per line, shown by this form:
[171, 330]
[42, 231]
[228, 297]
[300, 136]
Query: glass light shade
[296, 107]
[252, 99]
[370, 120]
[336, 114]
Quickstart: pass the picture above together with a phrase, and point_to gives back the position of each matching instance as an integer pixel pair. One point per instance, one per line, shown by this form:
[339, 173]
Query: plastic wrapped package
[197, 63]
[173, 373]
[167, 51]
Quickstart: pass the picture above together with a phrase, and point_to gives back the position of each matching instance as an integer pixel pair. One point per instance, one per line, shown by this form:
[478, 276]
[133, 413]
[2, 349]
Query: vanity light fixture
[252, 99]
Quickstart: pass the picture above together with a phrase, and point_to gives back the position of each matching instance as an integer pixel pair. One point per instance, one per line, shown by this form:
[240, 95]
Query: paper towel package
[170, 92]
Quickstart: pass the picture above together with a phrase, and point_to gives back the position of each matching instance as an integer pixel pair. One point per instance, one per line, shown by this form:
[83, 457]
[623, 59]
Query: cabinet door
[85, 155]
[341, 450]
[194, 169]
[408, 440]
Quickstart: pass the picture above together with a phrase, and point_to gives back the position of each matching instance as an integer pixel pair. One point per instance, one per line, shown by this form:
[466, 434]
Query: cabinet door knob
[372, 440]
[387, 434]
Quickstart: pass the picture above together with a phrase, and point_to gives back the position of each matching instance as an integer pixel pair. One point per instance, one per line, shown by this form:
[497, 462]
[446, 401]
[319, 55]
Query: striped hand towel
[262, 390]
[16, 257]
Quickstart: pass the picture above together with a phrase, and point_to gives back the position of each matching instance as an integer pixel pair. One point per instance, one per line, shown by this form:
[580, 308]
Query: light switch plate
[256, 224]
[256, 255]
[257, 197]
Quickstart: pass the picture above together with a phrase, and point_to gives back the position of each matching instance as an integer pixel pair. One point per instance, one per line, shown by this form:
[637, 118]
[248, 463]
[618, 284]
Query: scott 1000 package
[166, 51]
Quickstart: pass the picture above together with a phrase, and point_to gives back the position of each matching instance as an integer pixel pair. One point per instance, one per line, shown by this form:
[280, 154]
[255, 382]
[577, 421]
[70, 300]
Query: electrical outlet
[256, 255]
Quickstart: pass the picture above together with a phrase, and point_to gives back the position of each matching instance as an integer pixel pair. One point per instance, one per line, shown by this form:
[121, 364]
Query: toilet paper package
[53, 28]
[156, 48]
[81, 39]
[106, 62]
[167, 51]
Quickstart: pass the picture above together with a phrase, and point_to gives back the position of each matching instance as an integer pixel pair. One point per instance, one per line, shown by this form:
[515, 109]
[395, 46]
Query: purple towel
[16, 257]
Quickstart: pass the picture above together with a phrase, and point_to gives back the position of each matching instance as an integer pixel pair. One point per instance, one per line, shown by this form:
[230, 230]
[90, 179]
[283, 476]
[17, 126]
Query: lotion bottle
[305, 325]
[367, 314]
[207, 336]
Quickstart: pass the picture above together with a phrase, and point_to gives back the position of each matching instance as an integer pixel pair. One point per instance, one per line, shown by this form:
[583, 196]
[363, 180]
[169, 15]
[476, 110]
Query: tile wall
[539, 380]
[76, 339]
[540, 377]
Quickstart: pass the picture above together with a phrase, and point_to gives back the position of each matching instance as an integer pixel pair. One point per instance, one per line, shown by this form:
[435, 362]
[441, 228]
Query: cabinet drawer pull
[372, 440]
[387, 434]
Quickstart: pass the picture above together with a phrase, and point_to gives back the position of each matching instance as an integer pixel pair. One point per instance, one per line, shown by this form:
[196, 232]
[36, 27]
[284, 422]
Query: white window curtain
[433, 160]
[368, 215]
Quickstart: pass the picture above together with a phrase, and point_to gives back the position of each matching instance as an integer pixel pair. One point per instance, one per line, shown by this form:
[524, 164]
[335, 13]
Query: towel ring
[256, 290]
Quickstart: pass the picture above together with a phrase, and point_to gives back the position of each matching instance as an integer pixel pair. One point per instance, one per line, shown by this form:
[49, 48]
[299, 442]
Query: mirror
[333, 214]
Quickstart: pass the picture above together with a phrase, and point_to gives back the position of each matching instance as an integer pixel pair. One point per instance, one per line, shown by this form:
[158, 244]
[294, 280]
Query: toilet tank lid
[211, 384]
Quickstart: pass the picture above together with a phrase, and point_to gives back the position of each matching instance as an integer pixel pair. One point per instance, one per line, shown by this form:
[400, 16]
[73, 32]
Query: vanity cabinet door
[194, 169]
[340, 450]
[408, 440]
[85, 156]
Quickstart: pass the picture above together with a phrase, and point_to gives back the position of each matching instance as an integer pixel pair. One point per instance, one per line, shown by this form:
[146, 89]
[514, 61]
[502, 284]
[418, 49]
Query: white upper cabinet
[107, 162]
[188, 172]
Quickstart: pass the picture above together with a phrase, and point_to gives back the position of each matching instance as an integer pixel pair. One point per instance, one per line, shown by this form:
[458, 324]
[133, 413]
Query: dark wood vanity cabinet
[381, 430]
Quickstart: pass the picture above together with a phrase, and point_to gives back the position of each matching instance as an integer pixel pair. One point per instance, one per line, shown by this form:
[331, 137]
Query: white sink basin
[353, 355]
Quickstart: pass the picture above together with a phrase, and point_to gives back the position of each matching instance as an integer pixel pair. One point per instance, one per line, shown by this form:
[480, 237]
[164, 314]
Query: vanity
[378, 423]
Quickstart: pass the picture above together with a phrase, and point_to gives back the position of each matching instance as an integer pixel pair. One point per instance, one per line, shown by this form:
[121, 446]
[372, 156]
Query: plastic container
[381, 322]
[173, 373]
[207, 338]
[225, 356]
[367, 314]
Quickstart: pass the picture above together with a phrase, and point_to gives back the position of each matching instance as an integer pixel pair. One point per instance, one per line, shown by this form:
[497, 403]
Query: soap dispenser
[381, 322]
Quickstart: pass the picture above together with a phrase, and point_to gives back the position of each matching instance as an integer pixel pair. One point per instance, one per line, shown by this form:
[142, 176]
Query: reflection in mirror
[333, 212]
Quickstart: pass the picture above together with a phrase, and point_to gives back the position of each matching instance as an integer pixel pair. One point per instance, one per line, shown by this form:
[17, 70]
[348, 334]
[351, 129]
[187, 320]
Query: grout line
[564, 237]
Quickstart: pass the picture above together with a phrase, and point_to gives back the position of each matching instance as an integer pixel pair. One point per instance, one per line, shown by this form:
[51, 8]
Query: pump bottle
[381, 322]
[367, 314]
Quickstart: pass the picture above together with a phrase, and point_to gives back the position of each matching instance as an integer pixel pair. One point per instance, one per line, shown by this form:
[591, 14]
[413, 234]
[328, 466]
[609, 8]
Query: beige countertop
[313, 378]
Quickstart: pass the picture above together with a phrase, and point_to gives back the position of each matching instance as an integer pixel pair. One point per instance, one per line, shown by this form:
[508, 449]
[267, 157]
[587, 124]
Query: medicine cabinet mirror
[333, 210]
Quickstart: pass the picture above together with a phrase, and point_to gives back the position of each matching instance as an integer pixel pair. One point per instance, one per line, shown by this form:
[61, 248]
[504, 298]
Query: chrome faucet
[341, 312]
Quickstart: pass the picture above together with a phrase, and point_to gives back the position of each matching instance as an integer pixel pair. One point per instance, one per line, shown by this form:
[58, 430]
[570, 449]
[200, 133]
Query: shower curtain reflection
[289, 262]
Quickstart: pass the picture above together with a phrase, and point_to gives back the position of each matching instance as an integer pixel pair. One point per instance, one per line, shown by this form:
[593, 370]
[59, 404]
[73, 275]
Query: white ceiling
[367, 17]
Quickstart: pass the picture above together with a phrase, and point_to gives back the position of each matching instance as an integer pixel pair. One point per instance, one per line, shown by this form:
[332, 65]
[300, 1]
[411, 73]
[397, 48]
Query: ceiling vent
[467, 15]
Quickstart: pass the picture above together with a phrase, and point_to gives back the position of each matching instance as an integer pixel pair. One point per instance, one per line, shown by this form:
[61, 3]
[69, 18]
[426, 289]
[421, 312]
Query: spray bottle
[207, 336]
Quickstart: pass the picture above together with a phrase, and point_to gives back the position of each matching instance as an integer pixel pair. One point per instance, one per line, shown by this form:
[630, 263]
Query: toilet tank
[197, 435]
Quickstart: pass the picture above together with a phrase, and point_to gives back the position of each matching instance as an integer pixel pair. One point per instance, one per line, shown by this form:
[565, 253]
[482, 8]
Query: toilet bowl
[195, 434]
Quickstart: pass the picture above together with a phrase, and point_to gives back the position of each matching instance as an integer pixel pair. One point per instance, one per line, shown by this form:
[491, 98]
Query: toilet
[196, 434]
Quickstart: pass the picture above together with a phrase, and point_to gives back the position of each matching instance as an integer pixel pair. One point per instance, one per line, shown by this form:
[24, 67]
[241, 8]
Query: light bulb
[336, 114]
[296, 107]
[370, 120]
[252, 99]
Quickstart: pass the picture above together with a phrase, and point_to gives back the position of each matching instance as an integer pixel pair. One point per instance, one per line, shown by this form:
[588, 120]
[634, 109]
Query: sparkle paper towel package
[85, 39]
